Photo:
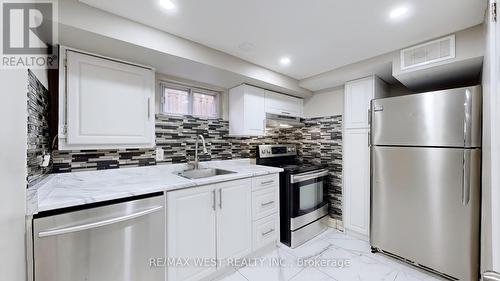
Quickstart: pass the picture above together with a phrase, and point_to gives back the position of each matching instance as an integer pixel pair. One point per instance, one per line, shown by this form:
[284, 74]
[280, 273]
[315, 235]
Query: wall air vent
[429, 52]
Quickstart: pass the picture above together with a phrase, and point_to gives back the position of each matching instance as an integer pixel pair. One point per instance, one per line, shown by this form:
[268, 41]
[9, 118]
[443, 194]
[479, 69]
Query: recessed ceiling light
[399, 13]
[285, 61]
[167, 4]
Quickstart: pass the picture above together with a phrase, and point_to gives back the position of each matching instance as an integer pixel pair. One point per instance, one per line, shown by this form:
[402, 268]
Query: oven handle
[308, 176]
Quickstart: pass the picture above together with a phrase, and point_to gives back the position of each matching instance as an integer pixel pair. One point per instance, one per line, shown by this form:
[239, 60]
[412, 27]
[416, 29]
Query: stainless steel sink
[203, 173]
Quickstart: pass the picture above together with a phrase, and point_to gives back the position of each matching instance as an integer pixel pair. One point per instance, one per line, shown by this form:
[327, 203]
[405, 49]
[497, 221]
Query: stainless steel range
[303, 201]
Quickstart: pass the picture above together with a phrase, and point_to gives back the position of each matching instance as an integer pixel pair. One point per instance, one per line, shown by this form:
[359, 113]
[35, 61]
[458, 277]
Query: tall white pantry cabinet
[356, 147]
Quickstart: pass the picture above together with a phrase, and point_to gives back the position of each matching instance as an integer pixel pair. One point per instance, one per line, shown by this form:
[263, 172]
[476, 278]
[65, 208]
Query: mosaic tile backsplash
[83, 160]
[38, 128]
[318, 142]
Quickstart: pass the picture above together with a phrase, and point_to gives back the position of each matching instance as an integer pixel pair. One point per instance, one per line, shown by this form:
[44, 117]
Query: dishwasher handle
[81, 227]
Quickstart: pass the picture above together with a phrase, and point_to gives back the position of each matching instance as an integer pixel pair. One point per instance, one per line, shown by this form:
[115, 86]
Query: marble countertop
[80, 188]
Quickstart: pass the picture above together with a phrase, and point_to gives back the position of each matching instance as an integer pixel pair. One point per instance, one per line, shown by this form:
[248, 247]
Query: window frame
[191, 91]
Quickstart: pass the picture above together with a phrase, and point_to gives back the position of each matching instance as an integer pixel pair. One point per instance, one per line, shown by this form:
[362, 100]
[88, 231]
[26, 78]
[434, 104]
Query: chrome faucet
[196, 160]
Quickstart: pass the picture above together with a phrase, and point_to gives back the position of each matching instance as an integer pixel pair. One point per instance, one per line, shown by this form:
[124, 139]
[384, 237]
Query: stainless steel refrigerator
[426, 180]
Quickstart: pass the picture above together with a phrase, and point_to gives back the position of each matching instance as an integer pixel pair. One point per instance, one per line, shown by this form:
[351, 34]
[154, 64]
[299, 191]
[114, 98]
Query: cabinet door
[109, 104]
[282, 104]
[234, 219]
[255, 114]
[358, 95]
[357, 181]
[191, 230]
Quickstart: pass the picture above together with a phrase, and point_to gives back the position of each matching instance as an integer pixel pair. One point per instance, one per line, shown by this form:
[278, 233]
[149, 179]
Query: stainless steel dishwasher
[102, 243]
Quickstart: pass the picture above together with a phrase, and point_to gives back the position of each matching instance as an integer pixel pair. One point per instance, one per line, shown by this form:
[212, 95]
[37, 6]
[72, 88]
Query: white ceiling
[318, 35]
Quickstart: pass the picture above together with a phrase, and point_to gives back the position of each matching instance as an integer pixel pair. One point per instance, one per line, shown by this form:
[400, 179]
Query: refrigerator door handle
[466, 178]
[467, 119]
[370, 126]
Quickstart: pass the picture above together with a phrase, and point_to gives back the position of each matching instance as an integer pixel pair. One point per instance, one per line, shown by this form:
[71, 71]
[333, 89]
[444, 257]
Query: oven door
[309, 201]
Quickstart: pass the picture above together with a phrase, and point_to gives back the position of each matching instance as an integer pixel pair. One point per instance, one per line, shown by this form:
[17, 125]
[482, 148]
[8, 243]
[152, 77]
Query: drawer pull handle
[268, 232]
[213, 198]
[267, 182]
[267, 203]
[220, 198]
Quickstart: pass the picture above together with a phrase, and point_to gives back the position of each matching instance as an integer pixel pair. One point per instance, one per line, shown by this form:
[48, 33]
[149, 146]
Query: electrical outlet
[45, 160]
[159, 154]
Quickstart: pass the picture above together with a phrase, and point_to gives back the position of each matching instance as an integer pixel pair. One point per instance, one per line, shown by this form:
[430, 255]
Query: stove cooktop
[284, 156]
[299, 168]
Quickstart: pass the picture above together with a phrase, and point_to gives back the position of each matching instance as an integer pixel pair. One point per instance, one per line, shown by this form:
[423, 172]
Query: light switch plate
[159, 154]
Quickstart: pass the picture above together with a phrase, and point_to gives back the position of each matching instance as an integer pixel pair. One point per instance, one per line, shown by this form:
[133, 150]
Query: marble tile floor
[332, 256]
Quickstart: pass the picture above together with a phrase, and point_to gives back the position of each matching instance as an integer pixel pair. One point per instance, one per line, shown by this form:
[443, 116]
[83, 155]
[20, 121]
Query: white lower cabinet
[191, 230]
[357, 181]
[265, 231]
[220, 221]
[234, 219]
[265, 215]
[213, 222]
[265, 203]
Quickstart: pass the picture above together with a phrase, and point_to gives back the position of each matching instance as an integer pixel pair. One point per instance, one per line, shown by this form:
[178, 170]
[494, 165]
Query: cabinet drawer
[264, 202]
[265, 231]
[265, 182]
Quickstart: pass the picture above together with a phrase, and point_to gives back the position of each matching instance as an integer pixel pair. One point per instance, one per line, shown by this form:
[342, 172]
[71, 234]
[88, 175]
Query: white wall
[490, 221]
[486, 166]
[469, 43]
[13, 174]
[42, 75]
[379, 65]
[325, 103]
[398, 89]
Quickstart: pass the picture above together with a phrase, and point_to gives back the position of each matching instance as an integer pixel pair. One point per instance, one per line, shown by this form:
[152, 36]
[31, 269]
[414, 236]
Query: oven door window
[308, 196]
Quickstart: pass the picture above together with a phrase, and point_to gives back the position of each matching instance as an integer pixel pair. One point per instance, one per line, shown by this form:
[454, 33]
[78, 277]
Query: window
[183, 100]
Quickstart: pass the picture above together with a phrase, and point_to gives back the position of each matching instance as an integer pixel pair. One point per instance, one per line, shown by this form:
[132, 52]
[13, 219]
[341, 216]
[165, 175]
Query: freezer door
[425, 207]
[450, 118]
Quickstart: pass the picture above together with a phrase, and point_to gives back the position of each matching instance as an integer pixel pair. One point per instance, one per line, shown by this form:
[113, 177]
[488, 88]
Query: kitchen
[179, 140]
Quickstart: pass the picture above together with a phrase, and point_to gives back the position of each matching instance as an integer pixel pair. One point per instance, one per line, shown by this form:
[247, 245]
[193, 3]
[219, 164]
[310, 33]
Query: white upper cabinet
[358, 94]
[246, 111]
[283, 105]
[248, 106]
[105, 104]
